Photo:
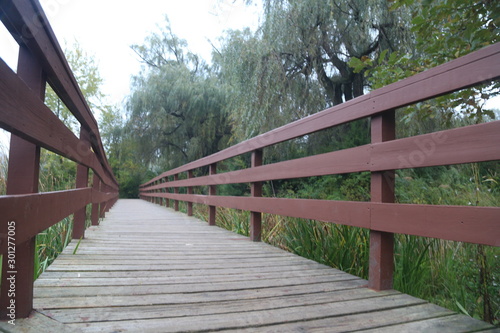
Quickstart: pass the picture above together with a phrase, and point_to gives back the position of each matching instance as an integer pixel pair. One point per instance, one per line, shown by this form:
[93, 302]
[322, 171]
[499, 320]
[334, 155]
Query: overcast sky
[107, 28]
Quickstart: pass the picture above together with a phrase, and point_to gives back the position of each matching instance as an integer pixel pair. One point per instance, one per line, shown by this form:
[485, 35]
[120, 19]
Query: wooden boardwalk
[150, 269]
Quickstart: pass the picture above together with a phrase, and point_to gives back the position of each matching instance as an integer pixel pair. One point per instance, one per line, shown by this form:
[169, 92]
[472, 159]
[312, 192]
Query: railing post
[109, 202]
[212, 190]
[94, 215]
[382, 190]
[167, 200]
[256, 191]
[176, 191]
[102, 205]
[190, 191]
[161, 181]
[23, 172]
[82, 181]
[158, 199]
[153, 199]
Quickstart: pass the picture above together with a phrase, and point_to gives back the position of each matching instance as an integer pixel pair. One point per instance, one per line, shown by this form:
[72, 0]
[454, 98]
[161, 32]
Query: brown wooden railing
[24, 213]
[381, 158]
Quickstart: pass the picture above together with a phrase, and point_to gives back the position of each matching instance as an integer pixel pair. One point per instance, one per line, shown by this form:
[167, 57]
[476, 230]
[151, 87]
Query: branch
[172, 131]
[144, 60]
[169, 143]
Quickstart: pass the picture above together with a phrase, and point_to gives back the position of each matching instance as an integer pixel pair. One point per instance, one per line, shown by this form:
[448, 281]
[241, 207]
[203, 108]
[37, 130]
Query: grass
[50, 243]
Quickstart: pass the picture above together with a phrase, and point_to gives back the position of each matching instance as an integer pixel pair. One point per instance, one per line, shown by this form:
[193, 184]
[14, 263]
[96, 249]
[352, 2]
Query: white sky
[107, 28]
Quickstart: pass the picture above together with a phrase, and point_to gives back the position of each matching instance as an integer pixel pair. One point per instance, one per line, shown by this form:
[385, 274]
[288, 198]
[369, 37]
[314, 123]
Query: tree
[443, 30]
[297, 63]
[86, 72]
[320, 37]
[56, 172]
[176, 107]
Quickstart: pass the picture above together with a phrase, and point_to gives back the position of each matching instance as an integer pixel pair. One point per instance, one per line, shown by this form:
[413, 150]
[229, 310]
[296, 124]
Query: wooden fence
[24, 211]
[381, 158]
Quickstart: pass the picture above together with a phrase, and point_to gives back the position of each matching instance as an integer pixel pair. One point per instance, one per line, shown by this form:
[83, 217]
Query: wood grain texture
[167, 272]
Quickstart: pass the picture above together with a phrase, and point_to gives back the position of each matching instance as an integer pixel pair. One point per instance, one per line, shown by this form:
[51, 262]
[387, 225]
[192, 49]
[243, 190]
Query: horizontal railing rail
[384, 155]
[24, 212]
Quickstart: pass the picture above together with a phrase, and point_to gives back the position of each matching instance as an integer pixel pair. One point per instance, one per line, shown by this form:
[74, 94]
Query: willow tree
[176, 107]
[320, 37]
[297, 62]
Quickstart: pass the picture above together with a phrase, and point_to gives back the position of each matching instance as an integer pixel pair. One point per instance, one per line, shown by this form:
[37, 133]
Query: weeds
[50, 243]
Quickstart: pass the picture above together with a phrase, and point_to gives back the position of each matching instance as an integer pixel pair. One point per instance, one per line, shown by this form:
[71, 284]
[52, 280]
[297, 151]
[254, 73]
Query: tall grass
[4, 166]
[50, 243]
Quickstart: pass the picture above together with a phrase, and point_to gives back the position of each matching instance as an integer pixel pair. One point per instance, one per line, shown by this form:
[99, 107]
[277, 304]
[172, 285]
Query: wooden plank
[179, 256]
[178, 288]
[338, 162]
[34, 213]
[448, 324]
[479, 225]
[214, 260]
[162, 266]
[37, 323]
[193, 272]
[360, 321]
[186, 298]
[343, 212]
[459, 223]
[469, 70]
[476, 143]
[243, 318]
[172, 311]
[57, 280]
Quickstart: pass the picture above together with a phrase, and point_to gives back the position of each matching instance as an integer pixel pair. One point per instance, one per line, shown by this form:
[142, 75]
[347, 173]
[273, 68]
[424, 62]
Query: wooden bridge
[147, 268]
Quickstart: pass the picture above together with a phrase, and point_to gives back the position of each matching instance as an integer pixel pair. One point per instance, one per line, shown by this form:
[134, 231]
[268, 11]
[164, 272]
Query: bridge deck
[149, 269]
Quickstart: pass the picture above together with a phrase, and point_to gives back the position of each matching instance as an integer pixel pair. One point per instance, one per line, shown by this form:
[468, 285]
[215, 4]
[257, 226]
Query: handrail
[29, 25]
[384, 155]
[24, 212]
[446, 78]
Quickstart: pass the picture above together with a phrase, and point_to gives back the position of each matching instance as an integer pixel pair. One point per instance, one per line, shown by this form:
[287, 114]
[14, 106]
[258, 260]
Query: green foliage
[443, 30]
[176, 106]
[86, 72]
[297, 62]
[342, 247]
[4, 166]
[50, 243]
